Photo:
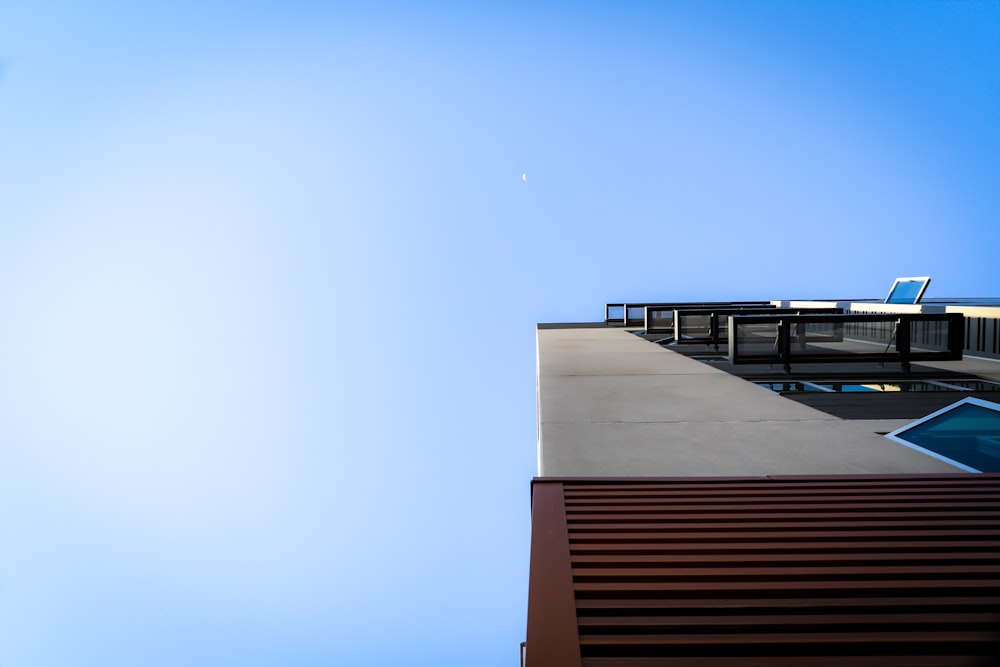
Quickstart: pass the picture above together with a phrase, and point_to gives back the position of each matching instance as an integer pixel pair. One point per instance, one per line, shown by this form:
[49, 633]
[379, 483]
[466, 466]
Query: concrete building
[716, 486]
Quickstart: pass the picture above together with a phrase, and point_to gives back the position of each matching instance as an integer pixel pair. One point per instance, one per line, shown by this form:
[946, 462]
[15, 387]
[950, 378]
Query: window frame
[923, 288]
[896, 435]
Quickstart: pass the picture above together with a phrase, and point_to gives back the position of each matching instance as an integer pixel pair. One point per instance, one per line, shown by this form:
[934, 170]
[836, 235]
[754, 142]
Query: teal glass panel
[968, 433]
[907, 291]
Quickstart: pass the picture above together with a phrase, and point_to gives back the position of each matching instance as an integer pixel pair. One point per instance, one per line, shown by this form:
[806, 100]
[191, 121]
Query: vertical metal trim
[955, 327]
[785, 344]
[732, 339]
[904, 327]
[553, 639]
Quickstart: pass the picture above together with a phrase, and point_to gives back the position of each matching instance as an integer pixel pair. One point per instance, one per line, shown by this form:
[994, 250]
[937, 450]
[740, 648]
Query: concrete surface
[610, 403]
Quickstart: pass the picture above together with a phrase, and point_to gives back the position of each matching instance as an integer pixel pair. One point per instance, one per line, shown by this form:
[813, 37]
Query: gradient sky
[270, 273]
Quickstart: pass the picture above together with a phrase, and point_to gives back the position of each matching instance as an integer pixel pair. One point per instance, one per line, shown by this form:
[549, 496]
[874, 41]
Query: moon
[524, 177]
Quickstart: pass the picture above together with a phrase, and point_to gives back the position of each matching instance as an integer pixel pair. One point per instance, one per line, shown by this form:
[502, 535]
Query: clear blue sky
[269, 275]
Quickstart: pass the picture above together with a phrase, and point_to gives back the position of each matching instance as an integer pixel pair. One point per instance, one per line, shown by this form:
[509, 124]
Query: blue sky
[270, 275]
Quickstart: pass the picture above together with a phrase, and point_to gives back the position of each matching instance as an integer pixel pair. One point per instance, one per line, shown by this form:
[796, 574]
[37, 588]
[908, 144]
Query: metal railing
[894, 337]
[634, 314]
[710, 326]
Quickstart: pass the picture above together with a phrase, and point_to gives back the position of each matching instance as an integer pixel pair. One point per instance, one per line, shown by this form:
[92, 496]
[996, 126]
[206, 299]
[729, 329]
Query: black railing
[634, 314]
[710, 326]
[662, 318]
[787, 339]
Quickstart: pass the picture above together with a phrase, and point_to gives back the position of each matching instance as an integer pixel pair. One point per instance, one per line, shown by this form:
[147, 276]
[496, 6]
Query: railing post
[956, 334]
[733, 352]
[903, 341]
[785, 343]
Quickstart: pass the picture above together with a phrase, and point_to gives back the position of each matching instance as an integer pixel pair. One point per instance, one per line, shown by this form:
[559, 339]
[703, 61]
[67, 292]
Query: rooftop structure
[716, 485]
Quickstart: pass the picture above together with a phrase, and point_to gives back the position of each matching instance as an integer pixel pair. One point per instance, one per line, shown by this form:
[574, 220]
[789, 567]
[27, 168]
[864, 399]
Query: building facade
[716, 486]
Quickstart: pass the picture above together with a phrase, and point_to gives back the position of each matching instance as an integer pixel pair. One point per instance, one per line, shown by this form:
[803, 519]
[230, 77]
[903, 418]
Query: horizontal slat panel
[857, 515]
[777, 560]
[591, 624]
[824, 638]
[883, 660]
[710, 535]
[603, 484]
[971, 600]
[789, 501]
[810, 510]
[790, 547]
[844, 587]
[805, 573]
[824, 570]
[753, 524]
[800, 490]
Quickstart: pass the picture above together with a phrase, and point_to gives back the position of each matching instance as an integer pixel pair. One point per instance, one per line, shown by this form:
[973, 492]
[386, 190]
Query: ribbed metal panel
[843, 570]
[982, 336]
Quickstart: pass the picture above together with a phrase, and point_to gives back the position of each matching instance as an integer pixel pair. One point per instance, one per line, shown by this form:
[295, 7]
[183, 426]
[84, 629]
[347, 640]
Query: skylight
[965, 434]
[908, 290]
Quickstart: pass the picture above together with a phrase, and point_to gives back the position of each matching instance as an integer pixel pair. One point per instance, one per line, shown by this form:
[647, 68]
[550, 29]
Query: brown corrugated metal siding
[832, 570]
